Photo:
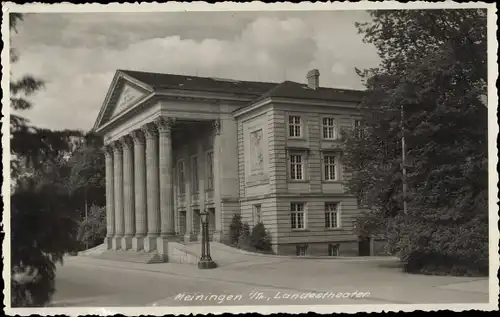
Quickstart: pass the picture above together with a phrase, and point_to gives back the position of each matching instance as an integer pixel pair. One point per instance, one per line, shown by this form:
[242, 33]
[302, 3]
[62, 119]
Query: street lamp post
[206, 261]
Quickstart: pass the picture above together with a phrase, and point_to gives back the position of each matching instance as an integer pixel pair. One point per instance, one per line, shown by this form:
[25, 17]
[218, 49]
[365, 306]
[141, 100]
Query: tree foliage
[87, 180]
[431, 84]
[259, 238]
[31, 146]
[43, 223]
[92, 230]
[43, 229]
[235, 229]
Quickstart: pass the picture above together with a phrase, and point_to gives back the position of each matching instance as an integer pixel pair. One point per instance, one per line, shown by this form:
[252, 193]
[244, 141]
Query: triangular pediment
[129, 95]
[123, 94]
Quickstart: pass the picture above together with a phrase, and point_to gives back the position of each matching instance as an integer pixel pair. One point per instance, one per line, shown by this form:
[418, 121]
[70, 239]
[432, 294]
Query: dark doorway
[364, 246]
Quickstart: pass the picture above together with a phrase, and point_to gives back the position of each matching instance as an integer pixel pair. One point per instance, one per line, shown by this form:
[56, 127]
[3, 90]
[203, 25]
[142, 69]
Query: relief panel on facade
[128, 97]
[256, 153]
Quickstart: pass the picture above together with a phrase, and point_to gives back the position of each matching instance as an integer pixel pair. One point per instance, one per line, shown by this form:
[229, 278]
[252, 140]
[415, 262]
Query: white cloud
[78, 76]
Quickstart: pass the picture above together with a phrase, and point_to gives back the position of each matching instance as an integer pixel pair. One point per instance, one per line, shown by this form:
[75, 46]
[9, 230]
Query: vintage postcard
[195, 158]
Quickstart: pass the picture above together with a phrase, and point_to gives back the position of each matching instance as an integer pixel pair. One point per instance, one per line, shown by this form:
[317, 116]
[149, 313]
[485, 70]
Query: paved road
[99, 283]
[84, 284]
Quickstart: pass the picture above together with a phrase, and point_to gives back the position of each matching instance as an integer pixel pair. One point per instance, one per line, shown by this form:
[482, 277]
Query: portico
[140, 188]
[163, 154]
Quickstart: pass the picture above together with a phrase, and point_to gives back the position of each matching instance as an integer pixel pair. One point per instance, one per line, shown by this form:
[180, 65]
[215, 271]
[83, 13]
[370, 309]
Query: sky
[77, 54]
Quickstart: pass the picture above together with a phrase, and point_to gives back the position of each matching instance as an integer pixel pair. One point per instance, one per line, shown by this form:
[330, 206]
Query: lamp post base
[206, 264]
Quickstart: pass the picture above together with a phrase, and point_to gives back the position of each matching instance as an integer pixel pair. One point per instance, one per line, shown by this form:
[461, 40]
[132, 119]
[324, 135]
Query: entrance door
[364, 246]
[196, 221]
[333, 249]
[182, 222]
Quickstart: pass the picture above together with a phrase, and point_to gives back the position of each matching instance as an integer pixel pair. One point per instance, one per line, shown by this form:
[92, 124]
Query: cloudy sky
[77, 54]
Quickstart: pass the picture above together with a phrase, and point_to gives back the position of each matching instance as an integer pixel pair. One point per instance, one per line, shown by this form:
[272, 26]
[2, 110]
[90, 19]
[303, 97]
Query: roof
[290, 89]
[261, 90]
[170, 81]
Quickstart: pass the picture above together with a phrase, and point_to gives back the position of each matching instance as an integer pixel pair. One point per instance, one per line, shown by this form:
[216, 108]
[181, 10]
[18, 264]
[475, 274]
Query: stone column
[166, 177]
[110, 199]
[188, 236]
[153, 195]
[118, 194]
[141, 227]
[216, 128]
[128, 192]
[202, 163]
[164, 126]
[176, 201]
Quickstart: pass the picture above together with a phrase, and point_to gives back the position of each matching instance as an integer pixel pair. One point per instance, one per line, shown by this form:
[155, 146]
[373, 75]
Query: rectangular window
[195, 183]
[296, 167]
[330, 167]
[329, 129]
[301, 250]
[182, 178]
[333, 250]
[210, 171]
[358, 129]
[294, 126]
[297, 214]
[332, 216]
[256, 214]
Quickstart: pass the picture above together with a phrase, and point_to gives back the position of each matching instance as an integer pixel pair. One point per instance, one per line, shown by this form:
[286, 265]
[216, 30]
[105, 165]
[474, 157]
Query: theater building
[176, 145]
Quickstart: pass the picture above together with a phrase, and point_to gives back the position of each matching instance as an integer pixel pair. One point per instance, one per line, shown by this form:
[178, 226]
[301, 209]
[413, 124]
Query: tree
[430, 86]
[31, 146]
[43, 224]
[92, 229]
[87, 179]
[42, 231]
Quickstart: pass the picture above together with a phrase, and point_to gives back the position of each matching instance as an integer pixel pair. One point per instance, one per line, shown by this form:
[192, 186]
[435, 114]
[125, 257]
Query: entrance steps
[131, 256]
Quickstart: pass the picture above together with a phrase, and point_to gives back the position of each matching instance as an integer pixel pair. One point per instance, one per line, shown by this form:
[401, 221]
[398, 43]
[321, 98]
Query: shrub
[445, 247]
[259, 238]
[244, 237]
[93, 229]
[235, 229]
[42, 232]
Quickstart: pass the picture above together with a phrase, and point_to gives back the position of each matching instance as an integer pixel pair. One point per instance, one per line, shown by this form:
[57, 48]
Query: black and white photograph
[196, 158]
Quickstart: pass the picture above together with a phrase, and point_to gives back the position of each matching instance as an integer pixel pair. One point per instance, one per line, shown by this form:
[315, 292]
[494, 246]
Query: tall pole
[403, 161]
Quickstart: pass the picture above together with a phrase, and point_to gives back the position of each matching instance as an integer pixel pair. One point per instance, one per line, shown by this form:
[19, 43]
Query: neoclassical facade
[176, 145]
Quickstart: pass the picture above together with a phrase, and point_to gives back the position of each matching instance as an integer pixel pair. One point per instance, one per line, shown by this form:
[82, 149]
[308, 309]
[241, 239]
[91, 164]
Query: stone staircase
[131, 256]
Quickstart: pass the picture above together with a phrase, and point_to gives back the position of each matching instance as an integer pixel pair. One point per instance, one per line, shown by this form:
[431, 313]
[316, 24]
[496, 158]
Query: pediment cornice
[120, 82]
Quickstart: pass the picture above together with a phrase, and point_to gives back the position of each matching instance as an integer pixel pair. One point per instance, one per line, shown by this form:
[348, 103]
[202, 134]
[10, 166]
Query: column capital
[164, 124]
[107, 149]
[150, 130]
[117, 146]
[216, 127]
[138, 136]
[126, 141]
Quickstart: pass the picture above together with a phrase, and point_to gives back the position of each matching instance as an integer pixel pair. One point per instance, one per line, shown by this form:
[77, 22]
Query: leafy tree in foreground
[41, 211]
[43, 226]
[432, 78]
